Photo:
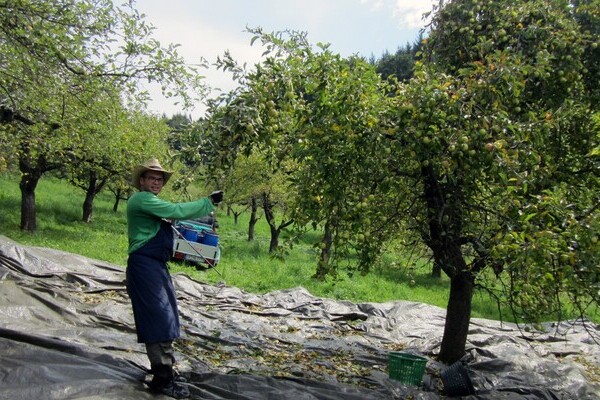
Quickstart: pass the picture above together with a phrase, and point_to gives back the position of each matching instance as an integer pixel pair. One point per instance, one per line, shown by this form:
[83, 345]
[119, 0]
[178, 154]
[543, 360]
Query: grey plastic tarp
[66, 332]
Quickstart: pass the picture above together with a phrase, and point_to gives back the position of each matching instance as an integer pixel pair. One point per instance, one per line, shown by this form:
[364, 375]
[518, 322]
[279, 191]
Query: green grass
[59, 225]
[246, 265]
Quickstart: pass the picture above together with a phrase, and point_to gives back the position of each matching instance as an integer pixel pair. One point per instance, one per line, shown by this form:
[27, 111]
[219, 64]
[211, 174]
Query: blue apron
[151, 289]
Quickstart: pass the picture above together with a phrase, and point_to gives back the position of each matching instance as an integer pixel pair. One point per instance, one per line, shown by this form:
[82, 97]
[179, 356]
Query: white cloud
[410, 12]
[375, 4]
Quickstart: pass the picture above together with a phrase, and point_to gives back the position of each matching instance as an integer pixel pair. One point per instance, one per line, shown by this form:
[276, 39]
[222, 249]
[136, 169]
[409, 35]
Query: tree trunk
[445, 221]
[270, 217]
[436, 271]
[323, 267]
[88, 207]
[268, 207]
[235, 217]
[88, 202]
[120, 194]
[117, 199]
[253, 219]
[274, 243]
[458, 316]
[93, 188]
[32, 170]
[29, 181]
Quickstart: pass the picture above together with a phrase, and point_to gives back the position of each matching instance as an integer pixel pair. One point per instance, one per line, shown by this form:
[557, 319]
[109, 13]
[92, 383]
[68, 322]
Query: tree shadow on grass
[419, 276]
[11, 213]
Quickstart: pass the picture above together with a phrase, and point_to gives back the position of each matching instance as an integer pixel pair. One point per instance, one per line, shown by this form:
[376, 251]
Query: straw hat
[150, 165]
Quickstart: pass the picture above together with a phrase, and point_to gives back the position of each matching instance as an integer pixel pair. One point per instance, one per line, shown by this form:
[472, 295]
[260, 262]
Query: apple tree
[489, 154]
[111, 150]
[58, 57]
[498, 125]
[321, 120]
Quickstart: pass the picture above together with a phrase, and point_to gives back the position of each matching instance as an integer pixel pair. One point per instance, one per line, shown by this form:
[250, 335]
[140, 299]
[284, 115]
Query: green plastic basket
[406, 368]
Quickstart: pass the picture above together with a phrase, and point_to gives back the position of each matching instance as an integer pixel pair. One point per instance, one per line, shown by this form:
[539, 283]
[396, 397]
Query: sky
[207, 28]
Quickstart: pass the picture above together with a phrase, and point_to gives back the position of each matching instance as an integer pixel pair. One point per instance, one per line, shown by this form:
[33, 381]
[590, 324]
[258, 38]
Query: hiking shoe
[179, 378]
[176, 390]
[173, 389]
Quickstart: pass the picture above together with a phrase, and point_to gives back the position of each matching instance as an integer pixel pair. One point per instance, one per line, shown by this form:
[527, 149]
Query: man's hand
[216, 197]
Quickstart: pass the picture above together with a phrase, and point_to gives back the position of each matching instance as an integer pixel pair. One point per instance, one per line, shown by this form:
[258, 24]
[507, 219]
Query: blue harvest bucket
[209, 239]
[190, 235]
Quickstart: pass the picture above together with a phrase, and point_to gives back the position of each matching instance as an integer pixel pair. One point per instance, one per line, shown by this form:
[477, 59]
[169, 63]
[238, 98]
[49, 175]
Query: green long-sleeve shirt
[145, 211]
